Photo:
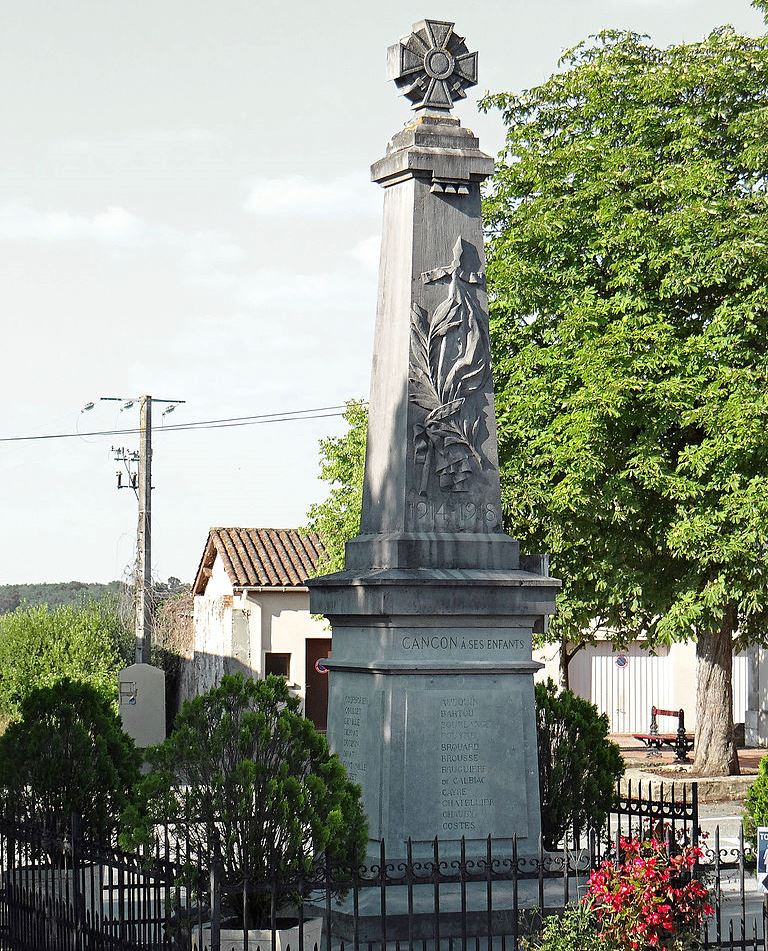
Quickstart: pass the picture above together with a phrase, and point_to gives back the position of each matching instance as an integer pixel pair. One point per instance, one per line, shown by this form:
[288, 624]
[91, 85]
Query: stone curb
[711, 788]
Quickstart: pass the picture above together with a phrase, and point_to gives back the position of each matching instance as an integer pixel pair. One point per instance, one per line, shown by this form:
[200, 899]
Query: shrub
[68, 754]
[39, 647]
[247, 767]
[756, 804]
[578, 764]
[575, 930]
[649, 899]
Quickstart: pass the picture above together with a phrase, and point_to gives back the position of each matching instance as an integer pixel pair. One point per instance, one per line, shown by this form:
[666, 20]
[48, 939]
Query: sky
[185, 211]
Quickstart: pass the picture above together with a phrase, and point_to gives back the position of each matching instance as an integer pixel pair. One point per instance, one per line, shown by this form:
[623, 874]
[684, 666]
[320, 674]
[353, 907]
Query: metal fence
[64, 891]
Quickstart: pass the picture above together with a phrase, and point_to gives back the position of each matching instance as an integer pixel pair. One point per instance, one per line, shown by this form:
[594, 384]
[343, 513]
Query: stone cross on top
[432, 67]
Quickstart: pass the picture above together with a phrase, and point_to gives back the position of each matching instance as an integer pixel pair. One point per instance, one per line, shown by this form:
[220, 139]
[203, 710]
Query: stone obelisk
[431, 703]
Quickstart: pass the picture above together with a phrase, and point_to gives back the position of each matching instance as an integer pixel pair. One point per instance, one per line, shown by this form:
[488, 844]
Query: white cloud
[138, 141]
[115, 225]
[203, 256]
[295, 196]
[212, 261]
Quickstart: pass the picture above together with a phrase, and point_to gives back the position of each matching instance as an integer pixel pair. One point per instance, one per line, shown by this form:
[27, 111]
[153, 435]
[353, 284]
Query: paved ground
[635, 753]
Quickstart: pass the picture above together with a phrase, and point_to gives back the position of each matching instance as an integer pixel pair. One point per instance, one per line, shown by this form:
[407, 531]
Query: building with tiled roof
[260, 557]
[251, 612]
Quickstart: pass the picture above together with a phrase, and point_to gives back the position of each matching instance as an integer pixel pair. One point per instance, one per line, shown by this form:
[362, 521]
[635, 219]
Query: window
[279, 664]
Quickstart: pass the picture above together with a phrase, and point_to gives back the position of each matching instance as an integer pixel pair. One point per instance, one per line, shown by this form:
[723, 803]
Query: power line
[320, 412]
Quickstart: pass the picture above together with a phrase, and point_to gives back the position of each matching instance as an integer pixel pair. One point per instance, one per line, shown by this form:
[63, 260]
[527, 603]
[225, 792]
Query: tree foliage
[243, 761]
[173, 644]
[756, 803]
[55, 594]
[68, 754]
[342, 464]
[578, 765]
[629, 300]
[39, 646]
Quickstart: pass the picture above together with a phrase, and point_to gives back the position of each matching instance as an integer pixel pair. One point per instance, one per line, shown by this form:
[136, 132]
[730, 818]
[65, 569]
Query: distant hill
[13, 596]
[55, 594]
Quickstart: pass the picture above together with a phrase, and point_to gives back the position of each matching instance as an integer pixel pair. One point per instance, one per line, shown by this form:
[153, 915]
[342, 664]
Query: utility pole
[143, 583]
[141, 483]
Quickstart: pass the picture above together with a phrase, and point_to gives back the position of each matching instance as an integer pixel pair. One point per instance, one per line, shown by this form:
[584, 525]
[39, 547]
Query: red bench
[680, 741]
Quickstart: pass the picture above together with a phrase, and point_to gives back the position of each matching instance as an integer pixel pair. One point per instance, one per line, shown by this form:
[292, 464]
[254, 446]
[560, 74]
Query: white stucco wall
[280, 622]
[234, 629]
[627, 693]
[212, 620]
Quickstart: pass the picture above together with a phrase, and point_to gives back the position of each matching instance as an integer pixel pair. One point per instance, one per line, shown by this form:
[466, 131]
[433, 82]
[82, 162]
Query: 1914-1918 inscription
[426, 515]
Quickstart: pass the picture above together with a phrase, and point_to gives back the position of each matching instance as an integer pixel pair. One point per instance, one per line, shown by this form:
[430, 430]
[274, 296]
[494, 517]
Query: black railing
[673, 809]
[72, 893]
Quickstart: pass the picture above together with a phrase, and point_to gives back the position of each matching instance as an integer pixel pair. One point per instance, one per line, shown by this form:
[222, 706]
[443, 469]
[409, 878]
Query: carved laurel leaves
[450, 360]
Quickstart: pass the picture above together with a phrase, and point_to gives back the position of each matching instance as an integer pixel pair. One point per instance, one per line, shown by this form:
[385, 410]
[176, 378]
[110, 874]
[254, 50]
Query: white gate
[622, 684]
[740, 686]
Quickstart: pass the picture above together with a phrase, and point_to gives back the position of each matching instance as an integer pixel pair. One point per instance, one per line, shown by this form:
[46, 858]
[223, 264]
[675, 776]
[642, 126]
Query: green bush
[578, 765]
[244, 762]
[575, 930]
[756, 804]
[68, 754]
[39, 647]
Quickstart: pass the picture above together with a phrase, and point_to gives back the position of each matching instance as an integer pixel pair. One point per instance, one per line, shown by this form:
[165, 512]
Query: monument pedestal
[431, 702]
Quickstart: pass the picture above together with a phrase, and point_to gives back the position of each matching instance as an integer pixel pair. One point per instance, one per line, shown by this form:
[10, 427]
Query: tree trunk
[565, 659]
[715, 746]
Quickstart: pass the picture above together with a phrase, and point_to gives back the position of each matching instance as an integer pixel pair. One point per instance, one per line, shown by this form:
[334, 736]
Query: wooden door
[316, 695]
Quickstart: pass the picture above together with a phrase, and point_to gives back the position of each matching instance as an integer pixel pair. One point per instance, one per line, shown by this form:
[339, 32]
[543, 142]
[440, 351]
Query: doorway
[316, 696]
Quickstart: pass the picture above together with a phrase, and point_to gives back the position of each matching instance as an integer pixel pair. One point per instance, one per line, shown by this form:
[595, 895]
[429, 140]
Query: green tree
[56, 594]
[39, 647]
[629, 280]
[756, 804]
[342, 461]
[578, 765]
[243, 761]
[10, 598]
[68, 754]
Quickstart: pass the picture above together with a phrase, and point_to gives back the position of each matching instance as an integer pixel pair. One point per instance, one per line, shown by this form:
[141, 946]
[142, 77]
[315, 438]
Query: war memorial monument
[431, 704]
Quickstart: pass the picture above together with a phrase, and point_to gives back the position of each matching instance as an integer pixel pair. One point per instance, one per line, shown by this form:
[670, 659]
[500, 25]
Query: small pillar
[142, 703]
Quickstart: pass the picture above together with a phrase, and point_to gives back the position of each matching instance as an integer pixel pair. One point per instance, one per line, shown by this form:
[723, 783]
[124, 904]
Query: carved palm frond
[423, 390]
[450, 360]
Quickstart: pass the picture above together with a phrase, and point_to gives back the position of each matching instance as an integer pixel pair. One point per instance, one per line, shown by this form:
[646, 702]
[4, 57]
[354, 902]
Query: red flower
[647, 894]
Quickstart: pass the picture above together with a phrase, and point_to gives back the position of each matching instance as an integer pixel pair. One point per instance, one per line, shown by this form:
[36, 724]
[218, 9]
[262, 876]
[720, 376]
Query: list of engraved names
[353, 757]
[465, 801]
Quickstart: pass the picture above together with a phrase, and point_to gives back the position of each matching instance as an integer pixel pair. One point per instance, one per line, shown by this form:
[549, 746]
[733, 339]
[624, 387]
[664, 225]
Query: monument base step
[423, 923]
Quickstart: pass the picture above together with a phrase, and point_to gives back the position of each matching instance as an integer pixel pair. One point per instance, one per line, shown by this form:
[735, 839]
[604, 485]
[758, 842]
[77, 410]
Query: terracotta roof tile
[260, 557]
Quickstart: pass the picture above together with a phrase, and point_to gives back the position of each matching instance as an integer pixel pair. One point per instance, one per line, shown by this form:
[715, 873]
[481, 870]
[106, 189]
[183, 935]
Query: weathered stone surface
[431, 680]
[432, 463]
[432, 66]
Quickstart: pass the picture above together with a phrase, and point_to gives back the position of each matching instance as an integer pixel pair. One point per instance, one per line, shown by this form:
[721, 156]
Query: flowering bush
[648, 899]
